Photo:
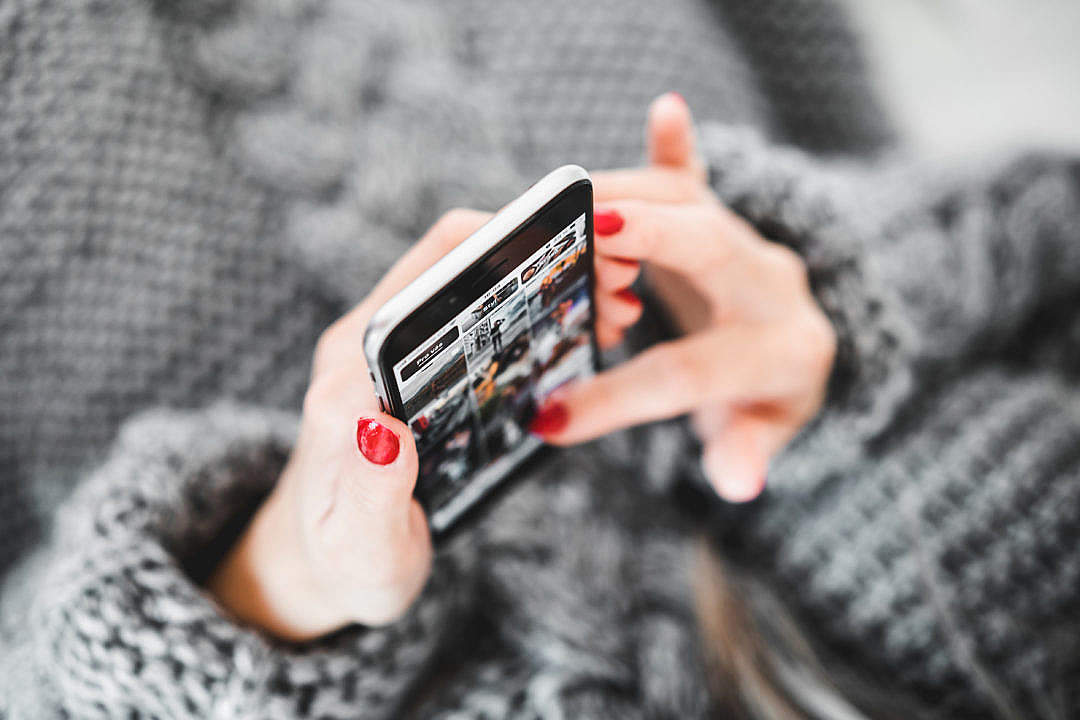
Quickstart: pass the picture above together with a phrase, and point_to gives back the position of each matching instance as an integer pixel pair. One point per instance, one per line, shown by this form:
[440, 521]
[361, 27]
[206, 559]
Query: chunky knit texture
[940, 483]
[190, 191]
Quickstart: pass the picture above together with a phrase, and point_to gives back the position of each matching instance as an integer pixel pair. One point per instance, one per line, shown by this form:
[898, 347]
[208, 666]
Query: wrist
[267, 580]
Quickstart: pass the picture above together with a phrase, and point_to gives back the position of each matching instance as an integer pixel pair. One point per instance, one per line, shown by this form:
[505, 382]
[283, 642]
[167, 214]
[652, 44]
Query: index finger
[686, 238]
[673, 378]
[343, 341]
[447, 233]
[657, 183]
[669, 134]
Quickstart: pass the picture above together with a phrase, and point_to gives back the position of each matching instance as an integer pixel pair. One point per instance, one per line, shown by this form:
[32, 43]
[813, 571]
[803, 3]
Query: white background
[962, 76]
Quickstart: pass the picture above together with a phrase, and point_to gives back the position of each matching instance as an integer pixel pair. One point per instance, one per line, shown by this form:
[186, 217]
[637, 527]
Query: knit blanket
[189, 193]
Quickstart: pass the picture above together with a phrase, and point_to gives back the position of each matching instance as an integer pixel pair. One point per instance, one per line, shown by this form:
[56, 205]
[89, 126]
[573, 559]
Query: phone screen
[469, 388]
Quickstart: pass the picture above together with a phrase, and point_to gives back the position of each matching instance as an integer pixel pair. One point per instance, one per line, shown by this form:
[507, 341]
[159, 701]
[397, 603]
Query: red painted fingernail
[607, 222]
[377, 442]
[628, 295]
[550, 419]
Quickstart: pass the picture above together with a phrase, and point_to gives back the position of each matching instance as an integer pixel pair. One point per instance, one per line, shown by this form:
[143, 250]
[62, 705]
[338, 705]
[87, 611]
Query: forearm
[114, 621]
[266, 580]
[966, 251]
[977, 254]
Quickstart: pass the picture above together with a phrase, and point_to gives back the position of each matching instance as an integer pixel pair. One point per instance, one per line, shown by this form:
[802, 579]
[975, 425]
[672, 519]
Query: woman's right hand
[757, 351]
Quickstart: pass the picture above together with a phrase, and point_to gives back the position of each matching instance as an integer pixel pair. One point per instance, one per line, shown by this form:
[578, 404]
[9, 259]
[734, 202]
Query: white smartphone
[470, 349]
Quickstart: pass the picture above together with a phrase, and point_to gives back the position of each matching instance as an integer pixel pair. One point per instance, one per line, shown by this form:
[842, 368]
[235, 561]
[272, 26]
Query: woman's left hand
[753, 365]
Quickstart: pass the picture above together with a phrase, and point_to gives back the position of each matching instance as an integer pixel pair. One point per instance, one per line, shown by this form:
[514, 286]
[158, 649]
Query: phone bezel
[471, 270]
[506, 223]
[483, 275]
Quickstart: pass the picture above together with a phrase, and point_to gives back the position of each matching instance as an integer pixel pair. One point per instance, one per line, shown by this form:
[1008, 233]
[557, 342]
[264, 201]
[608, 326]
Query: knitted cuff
[800, 201]
[115, 624]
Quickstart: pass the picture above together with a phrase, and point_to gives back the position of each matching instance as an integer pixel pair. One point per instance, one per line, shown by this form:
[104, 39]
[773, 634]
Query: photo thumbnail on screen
[471, 388]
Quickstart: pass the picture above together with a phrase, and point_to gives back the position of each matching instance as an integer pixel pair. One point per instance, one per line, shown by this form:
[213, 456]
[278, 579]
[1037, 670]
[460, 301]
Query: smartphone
[470, 349]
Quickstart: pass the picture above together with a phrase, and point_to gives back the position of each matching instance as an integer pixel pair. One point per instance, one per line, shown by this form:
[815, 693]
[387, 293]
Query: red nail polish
[550, 419]
[377, 442]
[607, 222]
[628, 295]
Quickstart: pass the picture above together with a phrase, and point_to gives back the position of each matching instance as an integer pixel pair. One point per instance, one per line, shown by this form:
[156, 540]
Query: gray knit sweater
[190, 192]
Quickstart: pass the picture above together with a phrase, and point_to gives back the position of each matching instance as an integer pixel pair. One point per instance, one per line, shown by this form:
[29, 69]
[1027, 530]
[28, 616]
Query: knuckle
[372, 555]
[689, 186]
[677, 369]
[719, 251]
[454, 219]
[392, 605]
[392, 572]
[454, 225]
[682, 185]
[333, 546]
[387, 614]
[396, 578]
[442, 227]
[788, 265]
[649, 233]
[313, 399]
[327, 343]
[818, 338]
[321, 395]
[455, 216]
[827, 347]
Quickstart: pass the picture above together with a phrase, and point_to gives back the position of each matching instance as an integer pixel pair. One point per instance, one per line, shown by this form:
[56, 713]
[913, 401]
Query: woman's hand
[341, 539]
[753, 365]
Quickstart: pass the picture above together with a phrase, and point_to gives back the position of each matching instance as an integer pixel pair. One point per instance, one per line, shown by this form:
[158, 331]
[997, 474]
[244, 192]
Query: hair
[762, 666]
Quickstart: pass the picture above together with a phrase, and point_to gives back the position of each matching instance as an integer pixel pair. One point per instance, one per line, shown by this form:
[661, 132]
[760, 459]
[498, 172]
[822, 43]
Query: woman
[189, 203]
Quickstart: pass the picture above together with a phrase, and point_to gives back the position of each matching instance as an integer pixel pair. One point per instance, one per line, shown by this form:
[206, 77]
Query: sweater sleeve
[109, 620]
[920, 266]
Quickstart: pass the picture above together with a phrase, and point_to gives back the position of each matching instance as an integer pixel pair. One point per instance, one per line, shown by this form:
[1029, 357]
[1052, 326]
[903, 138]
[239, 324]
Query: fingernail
[377, 442]
[738, 489]
[607, 222]
[550, 419]
[734, 480]
[628, 295]
[678, 96]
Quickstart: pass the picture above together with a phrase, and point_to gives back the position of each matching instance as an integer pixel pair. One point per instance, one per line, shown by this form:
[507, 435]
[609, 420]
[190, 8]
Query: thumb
[374, 532]
[356, 550]
[376, 476]
[670, 135]
[736, 456]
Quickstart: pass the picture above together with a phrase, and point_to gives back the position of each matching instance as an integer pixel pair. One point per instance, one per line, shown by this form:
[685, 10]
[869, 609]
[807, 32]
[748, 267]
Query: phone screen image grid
[471, 388]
